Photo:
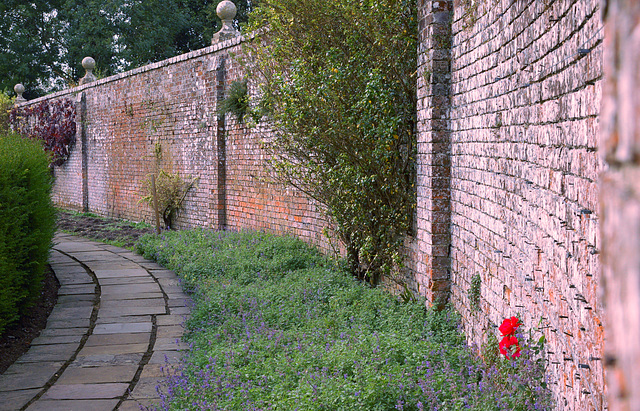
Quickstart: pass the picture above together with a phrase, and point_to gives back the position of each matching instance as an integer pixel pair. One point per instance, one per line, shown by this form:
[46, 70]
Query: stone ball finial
[88, 63]
[226, 10]
[19, 89]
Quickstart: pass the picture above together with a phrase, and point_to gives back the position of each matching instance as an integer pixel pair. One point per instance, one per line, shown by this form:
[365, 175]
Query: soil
[121, 232]
[17, 338]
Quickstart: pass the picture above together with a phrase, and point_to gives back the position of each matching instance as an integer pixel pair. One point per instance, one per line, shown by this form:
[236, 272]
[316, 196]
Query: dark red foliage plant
[52, 122]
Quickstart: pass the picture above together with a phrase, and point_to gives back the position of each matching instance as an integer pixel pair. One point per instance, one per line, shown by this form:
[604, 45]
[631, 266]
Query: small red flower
[509, 347]
[509, 326]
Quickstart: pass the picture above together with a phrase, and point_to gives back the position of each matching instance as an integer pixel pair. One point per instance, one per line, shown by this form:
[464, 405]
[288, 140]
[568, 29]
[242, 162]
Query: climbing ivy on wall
[338, 79]
[53, 122]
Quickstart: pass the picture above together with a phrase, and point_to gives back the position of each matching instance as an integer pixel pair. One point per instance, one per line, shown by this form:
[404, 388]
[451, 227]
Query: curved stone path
[114, 331]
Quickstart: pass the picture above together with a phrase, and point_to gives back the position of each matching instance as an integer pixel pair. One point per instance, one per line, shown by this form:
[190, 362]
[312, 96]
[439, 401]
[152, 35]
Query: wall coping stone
[73, 91]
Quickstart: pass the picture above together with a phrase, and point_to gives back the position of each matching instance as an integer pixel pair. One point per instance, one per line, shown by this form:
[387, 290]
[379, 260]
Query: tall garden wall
[507, 218]
[509, 101]
[164, 116]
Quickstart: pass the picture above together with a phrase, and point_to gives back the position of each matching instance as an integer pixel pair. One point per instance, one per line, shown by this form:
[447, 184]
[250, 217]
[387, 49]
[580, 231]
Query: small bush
[171, 191]
[27, 224]
[338, 82]
[53, 122]
[276, 326]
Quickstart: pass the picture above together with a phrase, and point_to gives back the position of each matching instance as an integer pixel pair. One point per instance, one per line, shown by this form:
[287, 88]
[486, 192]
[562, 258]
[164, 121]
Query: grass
[277, 326]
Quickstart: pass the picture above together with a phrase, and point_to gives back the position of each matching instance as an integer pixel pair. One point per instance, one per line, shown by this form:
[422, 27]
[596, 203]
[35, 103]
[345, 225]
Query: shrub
[53, 122]
[338, 80]
[27, 223]
[6, 103]
[171, 191]
[276, 326]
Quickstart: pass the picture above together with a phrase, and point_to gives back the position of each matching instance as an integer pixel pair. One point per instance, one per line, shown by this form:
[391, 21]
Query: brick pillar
[81, 134]
[620, 202]
[221, 151]
[434, 150]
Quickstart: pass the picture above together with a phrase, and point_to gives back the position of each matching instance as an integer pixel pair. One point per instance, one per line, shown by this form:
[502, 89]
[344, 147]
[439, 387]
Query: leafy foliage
[44, 41]
[474, 292]
[53, 122]
[237, 101]
[338, 81]
[27, 224]
[277, 326]
[171, 190]
[30, 48]
[6, 103]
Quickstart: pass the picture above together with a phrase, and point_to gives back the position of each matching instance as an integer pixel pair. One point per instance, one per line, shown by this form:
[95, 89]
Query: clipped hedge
[27, 224]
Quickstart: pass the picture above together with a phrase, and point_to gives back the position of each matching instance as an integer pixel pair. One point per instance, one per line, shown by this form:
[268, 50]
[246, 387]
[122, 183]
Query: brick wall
[509, 120]
[164, 116]
[508, 105]
[620, 203]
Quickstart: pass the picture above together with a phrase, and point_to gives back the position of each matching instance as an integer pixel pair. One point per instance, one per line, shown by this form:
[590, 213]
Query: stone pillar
[434, 150]
[88, 64]
[620, 202]
[226, 10]
[19, 89]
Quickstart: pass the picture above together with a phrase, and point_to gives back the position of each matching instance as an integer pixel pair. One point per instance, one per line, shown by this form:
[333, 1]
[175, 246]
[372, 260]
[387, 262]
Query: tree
[43, 42]
[338, 81]
[29, 50]
[91, 28]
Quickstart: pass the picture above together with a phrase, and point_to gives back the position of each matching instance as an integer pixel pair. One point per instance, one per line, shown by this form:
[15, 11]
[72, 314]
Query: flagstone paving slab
[111, 373]
[56, 340]
[114, 349]
[74, 405]
[85, 391]
[15, 400]
[142, 302]
[134, 405]
[123, 328]
[114, 339]
[123, 319]
[101, 360]
[109, 340]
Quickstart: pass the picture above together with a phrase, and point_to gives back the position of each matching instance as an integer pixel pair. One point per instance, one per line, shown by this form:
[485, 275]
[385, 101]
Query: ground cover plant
[277, 326]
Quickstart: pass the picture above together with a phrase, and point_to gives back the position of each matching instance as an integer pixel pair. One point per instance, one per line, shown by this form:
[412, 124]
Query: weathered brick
[508, 114]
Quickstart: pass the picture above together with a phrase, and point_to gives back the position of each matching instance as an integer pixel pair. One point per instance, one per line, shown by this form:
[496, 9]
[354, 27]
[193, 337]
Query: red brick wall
[515, 126]
[620, 203]
[508, 107]
[254, 198]
[164, 116]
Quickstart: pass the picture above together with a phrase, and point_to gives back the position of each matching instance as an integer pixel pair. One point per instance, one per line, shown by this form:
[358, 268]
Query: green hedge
[27, 224]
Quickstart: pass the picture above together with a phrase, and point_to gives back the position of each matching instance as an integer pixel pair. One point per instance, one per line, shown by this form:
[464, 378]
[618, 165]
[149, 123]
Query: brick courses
[620, 204]
[525, 91]
[164, 116]
[508, 105]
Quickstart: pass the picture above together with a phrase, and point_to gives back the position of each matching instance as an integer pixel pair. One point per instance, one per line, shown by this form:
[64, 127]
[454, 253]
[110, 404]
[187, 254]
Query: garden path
[112, 336]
